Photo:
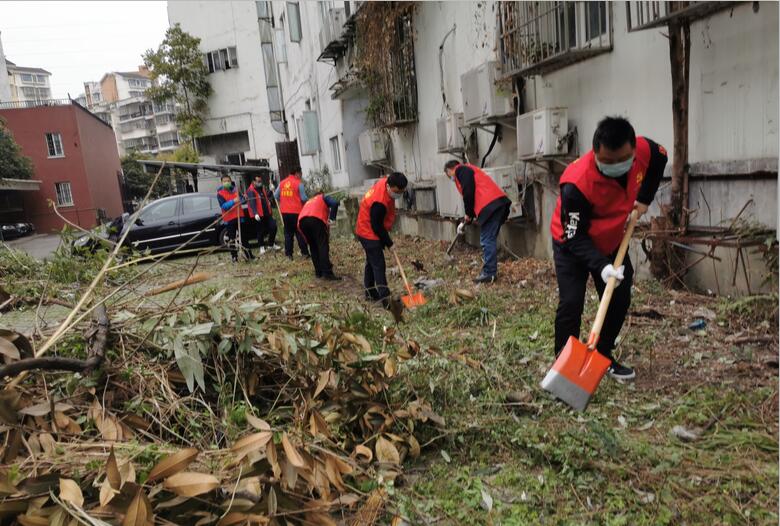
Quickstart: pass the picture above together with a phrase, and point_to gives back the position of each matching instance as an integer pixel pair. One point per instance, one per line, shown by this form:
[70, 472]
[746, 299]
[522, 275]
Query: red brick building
[74, 157]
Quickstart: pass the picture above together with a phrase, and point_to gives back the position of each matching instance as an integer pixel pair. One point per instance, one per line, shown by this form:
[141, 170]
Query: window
[64, 196]
[596, 20]
[159, 211]
[54, 143]
[335, 153]
[28, 92]
[294, 17]
[308, 133]
[40, 79]
[235, 158]
[196, 203]
[263, 10]
[222, 59]
[27, 77]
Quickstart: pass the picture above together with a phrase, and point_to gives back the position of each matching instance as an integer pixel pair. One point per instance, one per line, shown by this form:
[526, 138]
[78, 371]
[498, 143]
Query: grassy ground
[530, 460]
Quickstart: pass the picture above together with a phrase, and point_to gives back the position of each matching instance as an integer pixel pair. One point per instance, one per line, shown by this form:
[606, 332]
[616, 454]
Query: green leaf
[199, 329]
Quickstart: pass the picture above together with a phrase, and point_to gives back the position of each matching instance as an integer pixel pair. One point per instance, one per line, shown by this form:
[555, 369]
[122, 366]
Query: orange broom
[412, 300]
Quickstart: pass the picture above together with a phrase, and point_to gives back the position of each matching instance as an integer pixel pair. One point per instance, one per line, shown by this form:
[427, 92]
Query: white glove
[611, 272]
[257, 217]
[461, 226]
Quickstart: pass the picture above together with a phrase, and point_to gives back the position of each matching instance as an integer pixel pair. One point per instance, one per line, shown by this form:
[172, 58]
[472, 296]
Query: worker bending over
[291, 195]
[259, 201]
[487, 205]
[232, 212]
[598, 192]
[375, 219]
[314, 224]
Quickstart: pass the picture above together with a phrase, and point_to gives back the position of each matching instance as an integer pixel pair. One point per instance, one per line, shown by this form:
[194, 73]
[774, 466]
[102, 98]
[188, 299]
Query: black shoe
[621, 372]
[331, 277]
[483, 278]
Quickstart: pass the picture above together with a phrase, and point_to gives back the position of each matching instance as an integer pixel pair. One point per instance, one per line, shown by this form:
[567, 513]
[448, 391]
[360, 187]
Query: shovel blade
[576, 374]
[413, 300]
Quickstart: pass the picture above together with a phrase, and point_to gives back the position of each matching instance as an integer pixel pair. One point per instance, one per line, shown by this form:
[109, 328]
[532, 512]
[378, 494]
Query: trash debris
[697, 325]
[487, 501]
[705, 313]
[685, 434]
[423, 283]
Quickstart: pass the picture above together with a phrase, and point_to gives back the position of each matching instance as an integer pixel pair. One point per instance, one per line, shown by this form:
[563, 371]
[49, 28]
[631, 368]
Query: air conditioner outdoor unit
[483, 100]
[448, 136]
[449, 203]
[373, 146]
[506, 178]
[541, 133]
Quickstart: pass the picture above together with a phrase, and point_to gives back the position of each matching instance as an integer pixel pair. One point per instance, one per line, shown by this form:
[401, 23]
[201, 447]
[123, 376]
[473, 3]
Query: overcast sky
[80, 41]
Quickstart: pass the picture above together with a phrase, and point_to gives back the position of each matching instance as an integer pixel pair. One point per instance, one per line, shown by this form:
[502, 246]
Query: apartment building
[28, 84]
[518, 87]
[245, 115]
[119, 100]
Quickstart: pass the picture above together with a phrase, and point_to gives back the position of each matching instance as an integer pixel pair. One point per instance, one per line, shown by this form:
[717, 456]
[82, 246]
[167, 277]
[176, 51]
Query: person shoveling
[598, 191]
[458, 233]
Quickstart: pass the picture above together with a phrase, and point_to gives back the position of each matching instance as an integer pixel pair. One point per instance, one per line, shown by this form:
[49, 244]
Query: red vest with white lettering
[289, 196]
[255, 199]
[610, 202]
[376, 194]
[231, 213]
[485, 189]
[315, 207]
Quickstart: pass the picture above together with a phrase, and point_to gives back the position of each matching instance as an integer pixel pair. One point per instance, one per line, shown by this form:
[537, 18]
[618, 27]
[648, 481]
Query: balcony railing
[646, 15]
[35, 103]
[540, 37]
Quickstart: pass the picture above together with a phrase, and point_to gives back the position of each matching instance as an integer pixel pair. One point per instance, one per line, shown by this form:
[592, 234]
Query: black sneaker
[621, 372]
[482, 278]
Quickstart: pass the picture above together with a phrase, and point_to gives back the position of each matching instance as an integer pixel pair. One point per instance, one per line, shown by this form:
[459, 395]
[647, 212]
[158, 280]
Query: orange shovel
[579, 368]
[412, 300]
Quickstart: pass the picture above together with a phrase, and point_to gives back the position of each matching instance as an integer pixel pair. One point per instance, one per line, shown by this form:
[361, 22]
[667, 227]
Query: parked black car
[14, 230]
[167, 223]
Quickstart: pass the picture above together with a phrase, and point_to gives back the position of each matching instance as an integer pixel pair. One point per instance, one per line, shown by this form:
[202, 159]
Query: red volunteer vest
[315, 207]
[610, 202]
[376, 194]
[289, 196]
[254, 197]
[232, 212]
[485, 189]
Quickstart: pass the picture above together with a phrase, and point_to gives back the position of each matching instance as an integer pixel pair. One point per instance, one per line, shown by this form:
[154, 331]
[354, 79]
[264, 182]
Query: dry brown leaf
[236, 518]
[273, 459]
[112, 471]
[191, 484]
[289, 474]
[172, 464]
[334, 473]
[9, 349]
[61, 420]
[71, 492]
[48, 444]
[253, 442]
[127, 472]
[32, 520]
[107, 493]
[292, 452]
[43, 408]
[386, 452]
[363, 451]
[414, 446]
[322, 382]
[465, 294]
[108, 428]
[390, 367]
[258, 423]
[320, 519]
[139, 513]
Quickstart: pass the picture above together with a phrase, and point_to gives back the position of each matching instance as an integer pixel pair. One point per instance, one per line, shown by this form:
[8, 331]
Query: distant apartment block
[28, 84]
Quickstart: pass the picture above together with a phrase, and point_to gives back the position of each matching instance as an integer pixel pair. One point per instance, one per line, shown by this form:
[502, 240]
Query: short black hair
[225, 176]
[258, 176]
[398, 180]
[295, 170]
[613, 133]
[449, 165]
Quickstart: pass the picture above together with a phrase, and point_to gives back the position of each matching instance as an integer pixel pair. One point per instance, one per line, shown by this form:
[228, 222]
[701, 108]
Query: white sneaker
[276, 247]
[262, 250]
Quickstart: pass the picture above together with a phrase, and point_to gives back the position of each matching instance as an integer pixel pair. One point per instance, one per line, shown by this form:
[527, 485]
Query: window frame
[58, 194]
[30, 78]
[335, 153]
[191, 198]
[54, 144]
[154, 206]
[294, 22]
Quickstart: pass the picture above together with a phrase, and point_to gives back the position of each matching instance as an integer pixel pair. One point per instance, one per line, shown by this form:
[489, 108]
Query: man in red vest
[487, 205]
[314, 224]
[375, 219]
[260, 208]
[291, 195]
[230, 202]
[598, 192]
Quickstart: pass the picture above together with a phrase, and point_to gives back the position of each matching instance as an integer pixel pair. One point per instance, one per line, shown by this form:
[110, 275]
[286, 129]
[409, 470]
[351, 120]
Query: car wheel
[223, 238]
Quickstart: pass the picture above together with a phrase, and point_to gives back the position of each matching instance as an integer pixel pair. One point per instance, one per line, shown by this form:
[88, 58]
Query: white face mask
[394, 195]
[617, 169]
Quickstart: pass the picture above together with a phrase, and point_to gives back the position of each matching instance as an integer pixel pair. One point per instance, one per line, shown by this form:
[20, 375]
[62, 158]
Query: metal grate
[646, 15]
[400, 78]
[539, 37]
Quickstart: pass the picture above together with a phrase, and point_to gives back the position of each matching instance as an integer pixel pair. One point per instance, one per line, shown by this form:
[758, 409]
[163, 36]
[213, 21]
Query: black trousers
[572, 277]
[231, 227]
[290, 230]
[318, 239]
[374, 276]
[266, 231]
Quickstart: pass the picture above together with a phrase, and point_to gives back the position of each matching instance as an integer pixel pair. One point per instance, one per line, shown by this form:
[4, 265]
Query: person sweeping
[291, 195]
[233, 214]
[375, 219]
[486, 205]
[598, 191]
[314, 224]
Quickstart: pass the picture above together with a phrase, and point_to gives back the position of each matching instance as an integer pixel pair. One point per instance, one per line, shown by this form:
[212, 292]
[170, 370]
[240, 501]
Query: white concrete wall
[239, 102]
[5, 82]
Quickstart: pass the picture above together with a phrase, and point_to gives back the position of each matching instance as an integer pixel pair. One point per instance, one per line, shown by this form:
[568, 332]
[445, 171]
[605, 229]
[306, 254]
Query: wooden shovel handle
[403, 274]
[611, 282]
